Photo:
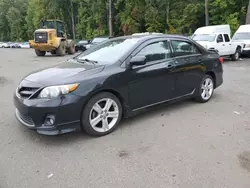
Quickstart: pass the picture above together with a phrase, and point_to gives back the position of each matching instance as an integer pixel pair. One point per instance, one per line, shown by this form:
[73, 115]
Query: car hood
[64, 73]
[205, 44]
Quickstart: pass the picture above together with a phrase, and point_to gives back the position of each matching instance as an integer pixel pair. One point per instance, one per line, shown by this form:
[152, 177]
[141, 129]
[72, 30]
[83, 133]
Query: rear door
[189, 67]
[228, 45]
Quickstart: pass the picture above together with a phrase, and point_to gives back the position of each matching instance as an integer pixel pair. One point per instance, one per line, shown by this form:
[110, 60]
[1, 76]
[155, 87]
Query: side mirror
[138, 60]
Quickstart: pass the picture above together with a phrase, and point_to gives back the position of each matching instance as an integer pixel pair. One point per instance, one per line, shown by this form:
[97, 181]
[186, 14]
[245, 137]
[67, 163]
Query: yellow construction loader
[52, 38]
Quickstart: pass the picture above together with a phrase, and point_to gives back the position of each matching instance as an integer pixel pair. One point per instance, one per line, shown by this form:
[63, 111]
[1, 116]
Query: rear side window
[183, 48]
[226, 38]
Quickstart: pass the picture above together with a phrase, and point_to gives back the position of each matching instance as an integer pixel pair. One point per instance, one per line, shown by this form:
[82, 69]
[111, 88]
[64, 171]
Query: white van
[217, 38]
[243, 35]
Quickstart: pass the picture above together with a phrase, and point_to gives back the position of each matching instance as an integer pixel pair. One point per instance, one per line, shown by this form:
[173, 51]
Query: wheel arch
[212, 74]
[115, 93]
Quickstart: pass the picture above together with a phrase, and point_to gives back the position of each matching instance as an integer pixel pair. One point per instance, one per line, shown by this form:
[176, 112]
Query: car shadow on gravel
[79, 136]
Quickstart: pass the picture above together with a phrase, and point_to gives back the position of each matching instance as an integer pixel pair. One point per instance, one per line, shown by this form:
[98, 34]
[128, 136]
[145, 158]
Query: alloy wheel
[207, 88]
[104, 115]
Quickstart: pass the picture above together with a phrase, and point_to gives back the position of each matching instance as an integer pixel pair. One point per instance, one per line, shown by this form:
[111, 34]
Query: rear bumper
[219, 79]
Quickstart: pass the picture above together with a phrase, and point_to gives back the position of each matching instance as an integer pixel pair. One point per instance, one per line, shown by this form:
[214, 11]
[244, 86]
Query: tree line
[85, 19]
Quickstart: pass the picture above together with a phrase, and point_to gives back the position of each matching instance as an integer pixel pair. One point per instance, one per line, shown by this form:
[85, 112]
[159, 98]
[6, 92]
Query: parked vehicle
[218, 38]
[15, 45]
[117, 78]
[97, 40]
[1, 44]
[24, 45]
[242, 35]
[6, 45]
[81, 45]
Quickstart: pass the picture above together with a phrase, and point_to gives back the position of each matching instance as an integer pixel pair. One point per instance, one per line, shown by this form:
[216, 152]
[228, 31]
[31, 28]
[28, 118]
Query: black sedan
[81, 45]
[117, 78]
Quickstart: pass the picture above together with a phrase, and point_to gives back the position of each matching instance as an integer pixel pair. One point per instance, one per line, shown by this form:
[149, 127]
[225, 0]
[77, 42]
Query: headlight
[56, 91]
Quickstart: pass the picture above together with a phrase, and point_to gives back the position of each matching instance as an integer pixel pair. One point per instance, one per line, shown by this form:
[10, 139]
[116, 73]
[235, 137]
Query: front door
[221, 45]
[189, 68]
[153, 82]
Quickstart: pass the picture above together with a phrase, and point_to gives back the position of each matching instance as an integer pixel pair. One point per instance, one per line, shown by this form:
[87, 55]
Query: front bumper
[32, 114]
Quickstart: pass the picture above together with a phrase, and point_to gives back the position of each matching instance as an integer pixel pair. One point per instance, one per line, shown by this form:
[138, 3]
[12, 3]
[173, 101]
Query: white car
[24, 45]
[1, 44]
[242, 35]
[218, 38]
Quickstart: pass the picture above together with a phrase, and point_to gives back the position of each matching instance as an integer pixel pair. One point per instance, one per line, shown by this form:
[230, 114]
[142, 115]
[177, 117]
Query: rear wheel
[205, 90]
[71, 49]
[60, 51]
[40, 53]
[102, 114]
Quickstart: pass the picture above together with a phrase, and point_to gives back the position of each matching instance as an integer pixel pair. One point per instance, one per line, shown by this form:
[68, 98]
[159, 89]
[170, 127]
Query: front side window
[183, 48]
[155, 51]
[219, 38]
[109, 51]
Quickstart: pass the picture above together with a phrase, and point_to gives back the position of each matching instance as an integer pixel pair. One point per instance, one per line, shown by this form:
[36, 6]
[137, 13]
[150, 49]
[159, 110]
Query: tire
[60, 51]
[71, 50]
[40, 53]
[200, 94]
[101, 114]
[236, 55]
[53, 52]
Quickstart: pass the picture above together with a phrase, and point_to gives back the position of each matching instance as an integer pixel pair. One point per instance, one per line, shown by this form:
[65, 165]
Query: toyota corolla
[117, 78]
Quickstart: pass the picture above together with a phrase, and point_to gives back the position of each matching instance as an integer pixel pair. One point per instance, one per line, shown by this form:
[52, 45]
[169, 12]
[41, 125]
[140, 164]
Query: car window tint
[155, 51]
[182, 48]
[226, 38]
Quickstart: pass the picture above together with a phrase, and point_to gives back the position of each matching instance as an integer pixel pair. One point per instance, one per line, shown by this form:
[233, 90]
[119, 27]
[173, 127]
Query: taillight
[221, 60]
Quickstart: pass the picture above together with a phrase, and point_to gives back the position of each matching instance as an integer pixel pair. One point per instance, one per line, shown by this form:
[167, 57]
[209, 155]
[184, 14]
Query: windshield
[98, 39]
[49, 24]
[109, 51]
[204, 37]
[241, 36]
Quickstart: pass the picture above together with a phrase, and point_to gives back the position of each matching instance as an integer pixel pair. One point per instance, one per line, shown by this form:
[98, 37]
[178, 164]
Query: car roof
[150, 36]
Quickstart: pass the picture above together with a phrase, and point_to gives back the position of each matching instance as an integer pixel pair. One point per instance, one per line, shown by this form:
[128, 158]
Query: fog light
[49, 120]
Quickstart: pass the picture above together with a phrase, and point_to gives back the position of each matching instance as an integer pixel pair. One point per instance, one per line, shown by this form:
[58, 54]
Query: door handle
[223, 44]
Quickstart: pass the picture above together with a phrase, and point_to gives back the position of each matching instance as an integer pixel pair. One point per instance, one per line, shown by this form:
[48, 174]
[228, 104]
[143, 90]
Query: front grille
[27, 120]
[26, 92]
[41, 37]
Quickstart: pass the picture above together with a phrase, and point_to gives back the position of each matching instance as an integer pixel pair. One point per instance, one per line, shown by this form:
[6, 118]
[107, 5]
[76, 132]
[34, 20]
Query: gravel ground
[185, 145]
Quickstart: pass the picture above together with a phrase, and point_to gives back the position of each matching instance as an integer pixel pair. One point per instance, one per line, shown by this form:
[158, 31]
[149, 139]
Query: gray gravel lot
[185, 145]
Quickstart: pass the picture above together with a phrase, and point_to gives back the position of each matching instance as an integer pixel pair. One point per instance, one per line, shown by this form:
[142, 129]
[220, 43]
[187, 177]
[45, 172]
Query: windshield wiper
[87, 60]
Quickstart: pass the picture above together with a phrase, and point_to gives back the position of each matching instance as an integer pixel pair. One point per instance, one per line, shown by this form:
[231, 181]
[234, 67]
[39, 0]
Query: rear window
[204, 37]
[226, 38]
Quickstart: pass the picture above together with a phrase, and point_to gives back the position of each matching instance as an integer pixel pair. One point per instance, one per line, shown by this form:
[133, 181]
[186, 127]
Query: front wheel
[205, 89]
[236, 55]
[101, 115]
[40, 53]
